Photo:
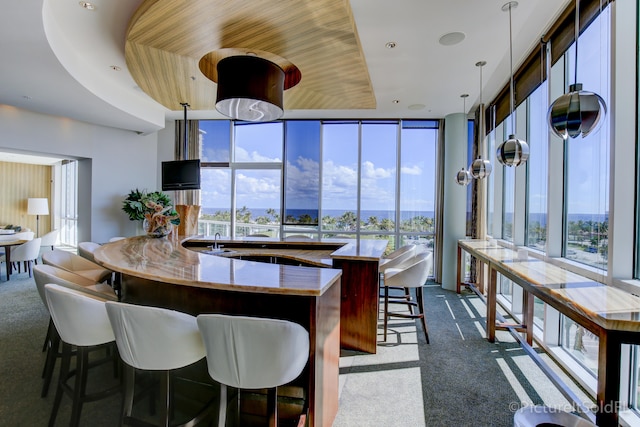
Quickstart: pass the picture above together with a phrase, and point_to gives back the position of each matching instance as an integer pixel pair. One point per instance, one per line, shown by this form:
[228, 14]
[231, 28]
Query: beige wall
[20, 181]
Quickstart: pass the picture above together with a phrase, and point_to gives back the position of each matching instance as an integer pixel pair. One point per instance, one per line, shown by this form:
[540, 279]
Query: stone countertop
[167, 260]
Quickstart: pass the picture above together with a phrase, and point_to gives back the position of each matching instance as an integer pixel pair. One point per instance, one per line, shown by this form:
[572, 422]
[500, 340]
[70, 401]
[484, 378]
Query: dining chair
[44, 274]
[26, 254]
[253, 353]
[82, 322]
[49, 240]
[415, 276]
[153, 339]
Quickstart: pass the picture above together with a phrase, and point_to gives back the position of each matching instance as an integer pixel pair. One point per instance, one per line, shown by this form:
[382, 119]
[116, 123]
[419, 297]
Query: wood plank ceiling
[166, 40]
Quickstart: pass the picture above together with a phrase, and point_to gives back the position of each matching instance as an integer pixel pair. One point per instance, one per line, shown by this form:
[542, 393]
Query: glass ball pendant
[513, 151]
[576, 113]
[480, 168]
[463, 177]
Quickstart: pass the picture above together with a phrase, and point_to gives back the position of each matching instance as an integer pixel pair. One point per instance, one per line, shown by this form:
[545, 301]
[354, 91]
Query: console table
[610, 313]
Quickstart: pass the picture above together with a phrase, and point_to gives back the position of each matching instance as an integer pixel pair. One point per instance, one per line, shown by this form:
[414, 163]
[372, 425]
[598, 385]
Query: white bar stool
[253, 353]
[81, 321]
[155, 339]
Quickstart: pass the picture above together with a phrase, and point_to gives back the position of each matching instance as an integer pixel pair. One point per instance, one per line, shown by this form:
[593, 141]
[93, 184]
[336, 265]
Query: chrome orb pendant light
[480, 168]
[513, 151]
[463, 177]
[577, 112]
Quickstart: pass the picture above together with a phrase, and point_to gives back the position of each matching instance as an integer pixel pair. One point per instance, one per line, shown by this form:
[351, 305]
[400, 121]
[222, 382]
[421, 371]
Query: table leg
[491, 304]
[527, 315]
[7, 258]
[459, 274]
[608, 395]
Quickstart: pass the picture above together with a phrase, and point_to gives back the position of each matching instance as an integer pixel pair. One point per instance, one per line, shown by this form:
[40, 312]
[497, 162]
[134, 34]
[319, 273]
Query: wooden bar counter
[162, 272]
[610, 313]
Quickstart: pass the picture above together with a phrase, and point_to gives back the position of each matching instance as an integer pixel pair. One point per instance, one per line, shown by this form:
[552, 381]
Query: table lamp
[37, 207]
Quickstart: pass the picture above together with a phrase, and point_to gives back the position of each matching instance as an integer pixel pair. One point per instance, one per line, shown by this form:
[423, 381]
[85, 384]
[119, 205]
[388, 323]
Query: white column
[455, 196]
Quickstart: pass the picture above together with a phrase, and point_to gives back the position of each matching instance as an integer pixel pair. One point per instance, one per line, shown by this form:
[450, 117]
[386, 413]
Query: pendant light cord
[577, 34]
[511, 96]
[185, 143]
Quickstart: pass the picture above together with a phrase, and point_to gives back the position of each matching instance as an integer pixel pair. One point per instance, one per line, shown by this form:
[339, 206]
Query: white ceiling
[57, 58]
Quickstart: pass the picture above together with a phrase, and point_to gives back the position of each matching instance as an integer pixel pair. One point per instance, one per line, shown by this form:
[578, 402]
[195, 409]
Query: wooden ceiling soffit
[166, 40]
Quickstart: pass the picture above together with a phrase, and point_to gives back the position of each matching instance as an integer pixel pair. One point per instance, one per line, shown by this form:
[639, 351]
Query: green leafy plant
[140, 205]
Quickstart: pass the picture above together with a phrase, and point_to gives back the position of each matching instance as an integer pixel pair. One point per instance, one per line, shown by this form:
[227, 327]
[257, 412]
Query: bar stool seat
[155, 339]
[81, 320]
[253, 353]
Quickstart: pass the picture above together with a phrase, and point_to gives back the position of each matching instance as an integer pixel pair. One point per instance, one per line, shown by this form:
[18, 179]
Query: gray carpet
[459, 379]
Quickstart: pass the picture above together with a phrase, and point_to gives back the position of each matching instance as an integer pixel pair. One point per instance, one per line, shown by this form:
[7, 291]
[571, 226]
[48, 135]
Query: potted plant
[154, 209]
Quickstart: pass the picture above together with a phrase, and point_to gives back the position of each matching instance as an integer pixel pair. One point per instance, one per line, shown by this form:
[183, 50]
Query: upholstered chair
[76, 264]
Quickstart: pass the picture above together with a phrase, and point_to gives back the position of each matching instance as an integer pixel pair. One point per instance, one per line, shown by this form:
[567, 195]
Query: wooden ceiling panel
[167, 38]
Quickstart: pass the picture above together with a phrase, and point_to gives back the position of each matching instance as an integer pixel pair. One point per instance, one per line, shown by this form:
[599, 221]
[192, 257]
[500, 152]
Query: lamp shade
[38, 206]
[250, 88]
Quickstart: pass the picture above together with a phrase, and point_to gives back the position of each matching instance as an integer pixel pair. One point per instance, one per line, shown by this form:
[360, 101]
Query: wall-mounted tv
[181, 175]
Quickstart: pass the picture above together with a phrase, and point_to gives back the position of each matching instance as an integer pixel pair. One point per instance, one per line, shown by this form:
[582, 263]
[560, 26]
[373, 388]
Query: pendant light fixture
[463, 177]
[577, 112]
[513, 151]
[480, 168]
[250, 88]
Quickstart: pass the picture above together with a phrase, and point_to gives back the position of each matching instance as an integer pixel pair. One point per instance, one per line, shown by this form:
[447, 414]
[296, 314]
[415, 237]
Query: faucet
[215, 241]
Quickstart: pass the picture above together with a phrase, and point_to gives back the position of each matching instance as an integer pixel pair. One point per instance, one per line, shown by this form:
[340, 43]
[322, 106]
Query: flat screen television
[181, 175]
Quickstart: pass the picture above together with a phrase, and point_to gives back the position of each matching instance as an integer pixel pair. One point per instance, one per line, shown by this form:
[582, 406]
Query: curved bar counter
[161, 272]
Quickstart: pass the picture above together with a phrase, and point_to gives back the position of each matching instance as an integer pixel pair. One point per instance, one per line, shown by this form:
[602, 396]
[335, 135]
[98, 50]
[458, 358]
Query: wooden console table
[610, 313]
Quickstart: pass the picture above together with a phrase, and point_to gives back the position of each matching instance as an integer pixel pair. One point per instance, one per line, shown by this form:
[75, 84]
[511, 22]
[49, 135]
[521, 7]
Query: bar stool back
[253, 353]
[76, 264]
[155, 339]
[81, 321]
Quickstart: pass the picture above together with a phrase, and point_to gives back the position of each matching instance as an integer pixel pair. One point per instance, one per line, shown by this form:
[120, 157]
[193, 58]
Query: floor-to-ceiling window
[356, 178]
[69, 203]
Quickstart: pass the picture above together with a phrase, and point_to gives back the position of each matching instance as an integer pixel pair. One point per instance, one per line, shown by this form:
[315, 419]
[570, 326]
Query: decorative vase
[158, 231]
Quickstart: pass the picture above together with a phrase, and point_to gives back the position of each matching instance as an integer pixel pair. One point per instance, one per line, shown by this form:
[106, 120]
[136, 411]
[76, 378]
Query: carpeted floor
[459, 379]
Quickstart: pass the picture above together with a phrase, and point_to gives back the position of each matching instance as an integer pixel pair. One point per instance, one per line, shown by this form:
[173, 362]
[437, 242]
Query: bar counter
[162, 272]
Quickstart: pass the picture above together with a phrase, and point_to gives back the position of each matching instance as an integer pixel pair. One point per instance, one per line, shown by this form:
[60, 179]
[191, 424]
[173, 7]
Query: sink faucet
[215, 240]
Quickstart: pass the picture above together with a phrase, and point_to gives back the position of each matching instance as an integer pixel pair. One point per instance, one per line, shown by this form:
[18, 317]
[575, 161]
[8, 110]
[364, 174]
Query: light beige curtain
[187, 197]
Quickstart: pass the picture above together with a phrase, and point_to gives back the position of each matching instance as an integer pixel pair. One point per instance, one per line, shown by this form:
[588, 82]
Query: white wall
[120, 161]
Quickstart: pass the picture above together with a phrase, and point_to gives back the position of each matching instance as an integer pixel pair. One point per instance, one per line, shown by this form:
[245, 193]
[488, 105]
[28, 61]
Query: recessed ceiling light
[115, 67]
[396, 101]
[87, 5]
[27, 97]
[416, 107]
[450, 39]
[390, 45]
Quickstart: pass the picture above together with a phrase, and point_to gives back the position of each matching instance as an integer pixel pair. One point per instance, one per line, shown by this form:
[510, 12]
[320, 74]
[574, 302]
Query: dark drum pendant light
[577, 112]
[250, 88]
[513, 151]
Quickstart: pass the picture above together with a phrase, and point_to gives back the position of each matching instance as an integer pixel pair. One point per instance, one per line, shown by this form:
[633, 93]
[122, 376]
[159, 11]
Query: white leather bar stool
[81, 320]
[44, 274]
[155, 339]
[253, 353]
[412, 276]
[76, 264]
